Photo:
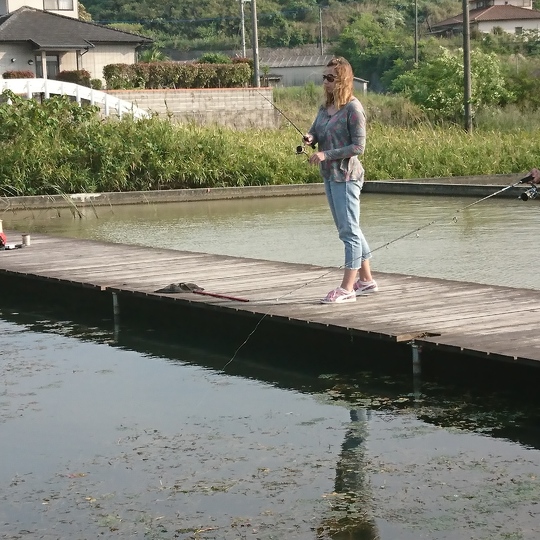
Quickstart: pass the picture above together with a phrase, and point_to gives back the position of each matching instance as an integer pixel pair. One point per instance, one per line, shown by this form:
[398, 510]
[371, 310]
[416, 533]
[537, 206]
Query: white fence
[109, 104]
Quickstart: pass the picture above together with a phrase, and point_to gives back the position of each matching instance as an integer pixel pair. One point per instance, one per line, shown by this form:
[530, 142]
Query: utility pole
[416, 31]
[255, 39]
[467, 67]
[320, 30]
[243, 27]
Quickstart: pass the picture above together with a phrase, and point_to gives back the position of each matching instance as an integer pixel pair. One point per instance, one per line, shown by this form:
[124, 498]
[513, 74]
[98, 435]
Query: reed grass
[59, 147]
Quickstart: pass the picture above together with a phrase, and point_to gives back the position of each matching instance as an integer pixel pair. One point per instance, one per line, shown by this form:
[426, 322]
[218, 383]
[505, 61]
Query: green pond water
[106, 435]
[492, 242]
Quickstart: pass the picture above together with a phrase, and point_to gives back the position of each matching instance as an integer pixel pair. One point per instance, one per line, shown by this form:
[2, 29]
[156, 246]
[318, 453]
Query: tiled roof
[297, 61]
[49, 30]
[493, 13]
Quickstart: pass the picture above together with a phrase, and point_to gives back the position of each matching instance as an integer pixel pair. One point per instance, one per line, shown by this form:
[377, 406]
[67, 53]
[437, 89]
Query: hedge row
[18, 74]
[176, 75]
[76, 76]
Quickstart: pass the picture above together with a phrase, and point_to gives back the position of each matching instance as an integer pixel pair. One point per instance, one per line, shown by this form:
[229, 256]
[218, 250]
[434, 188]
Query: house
[46, 37]
[296, 70]
[360, 84]
[513, 16]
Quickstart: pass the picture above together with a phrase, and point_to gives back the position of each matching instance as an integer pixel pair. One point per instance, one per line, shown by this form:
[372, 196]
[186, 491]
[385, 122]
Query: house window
[53, 66]
[58, 5]
[519, 30]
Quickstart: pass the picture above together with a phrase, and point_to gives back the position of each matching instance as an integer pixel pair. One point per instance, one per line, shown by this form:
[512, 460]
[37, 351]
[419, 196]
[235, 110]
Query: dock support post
[116, 316]
[417, 370]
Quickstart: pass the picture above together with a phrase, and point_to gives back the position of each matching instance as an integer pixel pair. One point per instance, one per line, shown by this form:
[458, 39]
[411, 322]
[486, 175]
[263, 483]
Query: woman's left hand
[316, 158]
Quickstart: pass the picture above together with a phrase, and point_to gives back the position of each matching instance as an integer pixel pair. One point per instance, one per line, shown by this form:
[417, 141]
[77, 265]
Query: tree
[83, 14]
[153, 54]
[372, 48]
[437, 85]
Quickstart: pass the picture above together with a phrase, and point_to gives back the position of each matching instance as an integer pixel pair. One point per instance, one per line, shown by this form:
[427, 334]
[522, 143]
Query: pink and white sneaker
[339, 296]
[365, 287]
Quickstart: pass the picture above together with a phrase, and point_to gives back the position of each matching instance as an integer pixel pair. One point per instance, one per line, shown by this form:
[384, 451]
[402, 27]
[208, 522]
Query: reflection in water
[470, 247]
[351, 503]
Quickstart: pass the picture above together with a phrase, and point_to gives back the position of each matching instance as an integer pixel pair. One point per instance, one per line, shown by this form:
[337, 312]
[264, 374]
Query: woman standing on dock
[339, 130]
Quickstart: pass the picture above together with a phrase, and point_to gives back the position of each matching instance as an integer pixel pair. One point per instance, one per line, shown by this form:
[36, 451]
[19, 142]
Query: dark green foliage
[372, 48]
[436, 86]
[214, 58]
[153, 54]
[215, 25]
[177, 75]
[522, 79]
[59, 147]
[96, 84]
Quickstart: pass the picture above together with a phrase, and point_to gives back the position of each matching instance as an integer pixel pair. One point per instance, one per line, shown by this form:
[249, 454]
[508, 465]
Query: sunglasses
[329, 78]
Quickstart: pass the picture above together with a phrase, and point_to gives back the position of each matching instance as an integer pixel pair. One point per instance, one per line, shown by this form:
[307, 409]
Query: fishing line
[281, 112]
[405, 235]
[454, 214]
[299, 149]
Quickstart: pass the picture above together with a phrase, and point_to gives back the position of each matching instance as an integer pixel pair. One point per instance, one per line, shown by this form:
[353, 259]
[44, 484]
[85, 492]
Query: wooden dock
[441, 315]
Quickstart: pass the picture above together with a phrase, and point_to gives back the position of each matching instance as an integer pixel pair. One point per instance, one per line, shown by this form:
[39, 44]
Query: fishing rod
[531, 193]
[299, 149]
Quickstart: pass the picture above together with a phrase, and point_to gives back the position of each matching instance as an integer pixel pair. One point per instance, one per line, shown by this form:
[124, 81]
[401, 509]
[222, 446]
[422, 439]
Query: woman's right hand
[308, 139]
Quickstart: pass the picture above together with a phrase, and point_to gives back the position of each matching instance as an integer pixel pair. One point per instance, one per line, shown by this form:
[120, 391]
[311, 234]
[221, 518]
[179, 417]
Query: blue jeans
[344, 201]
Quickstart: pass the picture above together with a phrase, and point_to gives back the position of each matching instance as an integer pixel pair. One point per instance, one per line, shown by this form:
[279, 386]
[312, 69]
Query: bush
[176, 75]
[214, 58]
[59, 146]
[118, 76]
[77, 76]
[436, 86]
[96, 84]
[15, 74]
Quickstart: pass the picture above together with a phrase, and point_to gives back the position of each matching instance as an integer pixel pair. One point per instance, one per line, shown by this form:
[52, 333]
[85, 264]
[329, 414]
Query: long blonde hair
[343, 89]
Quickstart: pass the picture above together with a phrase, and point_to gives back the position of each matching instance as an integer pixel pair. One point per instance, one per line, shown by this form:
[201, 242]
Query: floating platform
[242, 297]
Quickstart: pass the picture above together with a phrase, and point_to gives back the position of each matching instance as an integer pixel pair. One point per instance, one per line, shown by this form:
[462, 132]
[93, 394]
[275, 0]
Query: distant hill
[214, 24]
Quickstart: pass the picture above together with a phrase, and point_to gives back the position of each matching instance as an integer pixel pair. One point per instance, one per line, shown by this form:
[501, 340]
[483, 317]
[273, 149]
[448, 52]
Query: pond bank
[459, 186]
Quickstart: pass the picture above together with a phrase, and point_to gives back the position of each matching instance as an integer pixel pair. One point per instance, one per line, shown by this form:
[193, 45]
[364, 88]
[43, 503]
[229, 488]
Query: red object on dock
[224, 296]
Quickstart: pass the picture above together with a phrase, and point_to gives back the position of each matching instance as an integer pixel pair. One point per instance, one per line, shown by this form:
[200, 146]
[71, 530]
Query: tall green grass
[59, 147]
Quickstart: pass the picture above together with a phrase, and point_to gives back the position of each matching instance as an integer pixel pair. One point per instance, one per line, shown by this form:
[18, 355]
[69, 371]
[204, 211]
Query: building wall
[298, 76]
[360, 85]
[96, 59]
[508, 26]
[527, 4]
[234, 107]
[21, 54]
[8, 6]
[93, 61]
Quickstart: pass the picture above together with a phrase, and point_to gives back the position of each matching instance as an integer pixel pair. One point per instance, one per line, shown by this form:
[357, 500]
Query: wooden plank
[489, 320]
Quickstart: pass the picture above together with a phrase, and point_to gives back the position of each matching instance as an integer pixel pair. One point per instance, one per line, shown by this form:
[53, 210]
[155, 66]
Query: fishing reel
[531, 193]
[301, 148]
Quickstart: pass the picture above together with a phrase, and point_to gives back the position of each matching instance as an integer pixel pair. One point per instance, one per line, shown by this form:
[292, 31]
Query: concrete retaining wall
[463, 186]
[235, 107]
